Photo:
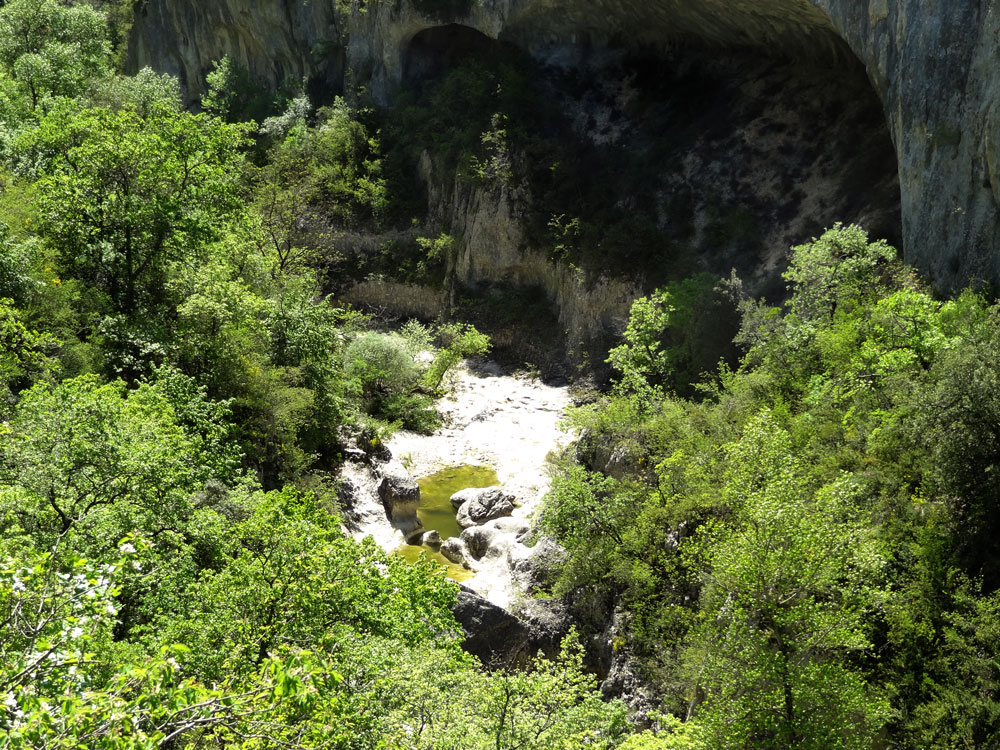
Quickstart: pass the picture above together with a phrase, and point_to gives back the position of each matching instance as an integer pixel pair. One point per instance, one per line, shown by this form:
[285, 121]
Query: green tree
[57, 612]
[293, 577]
[123, 195]
[101, 462]
[318, 180]
[675, 335]
[458, 341]
[53, 49]
[25, 355]
[142, 93]
[439, 700]
[790, 579]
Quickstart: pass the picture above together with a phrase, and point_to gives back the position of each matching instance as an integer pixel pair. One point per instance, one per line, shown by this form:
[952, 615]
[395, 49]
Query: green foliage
[120, 17]
[794, 573]
[802, 554]
[382, 363]
[318, 181]
[672, 735]
[294, 577]
[672, 335]
[25, 355]
[54, 607]
[642, 357]
[16, 282]
[58, 608]
[496, 165]
[144, 93]
[235, 97]
[395, 375]
[385, 370]
[50, 49]
[83, 457]
[123, 195]
[337, 164]
[458, 341]
[436, 251]
[551, 705]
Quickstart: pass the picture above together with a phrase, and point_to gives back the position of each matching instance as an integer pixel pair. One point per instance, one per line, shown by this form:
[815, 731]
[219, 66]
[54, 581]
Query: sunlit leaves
[789, 580]
[84, 456]
[122, 194]
[51, 49]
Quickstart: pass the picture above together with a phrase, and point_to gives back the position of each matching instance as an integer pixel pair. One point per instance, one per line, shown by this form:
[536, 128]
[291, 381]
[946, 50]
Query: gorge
[597, 302]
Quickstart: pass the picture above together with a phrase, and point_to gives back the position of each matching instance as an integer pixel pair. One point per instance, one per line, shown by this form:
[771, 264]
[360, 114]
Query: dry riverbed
[510, 423]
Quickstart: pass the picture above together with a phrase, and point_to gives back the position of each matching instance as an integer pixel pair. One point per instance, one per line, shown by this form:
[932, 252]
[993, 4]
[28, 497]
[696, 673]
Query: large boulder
[478, 505]
[455, 550]
[400, 496]
[479, 541]
[493, 634]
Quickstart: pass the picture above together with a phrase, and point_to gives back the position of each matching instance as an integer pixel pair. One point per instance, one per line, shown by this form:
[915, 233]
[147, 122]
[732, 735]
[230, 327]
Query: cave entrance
[434, 51]
[663, 162]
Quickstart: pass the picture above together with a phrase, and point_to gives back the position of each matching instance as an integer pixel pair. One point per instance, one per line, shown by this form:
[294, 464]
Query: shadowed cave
[433, 52]
[693, 158]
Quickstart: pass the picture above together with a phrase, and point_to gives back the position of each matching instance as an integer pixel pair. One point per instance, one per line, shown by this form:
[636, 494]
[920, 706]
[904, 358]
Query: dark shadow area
[645, 165]
[434, 51]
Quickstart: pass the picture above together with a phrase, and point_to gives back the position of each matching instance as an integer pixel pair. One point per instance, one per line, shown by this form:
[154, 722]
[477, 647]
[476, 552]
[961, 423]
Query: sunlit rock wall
[277, 41]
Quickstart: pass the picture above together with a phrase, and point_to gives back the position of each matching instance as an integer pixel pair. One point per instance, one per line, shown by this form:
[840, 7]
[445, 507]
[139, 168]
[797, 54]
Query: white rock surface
[510, 424]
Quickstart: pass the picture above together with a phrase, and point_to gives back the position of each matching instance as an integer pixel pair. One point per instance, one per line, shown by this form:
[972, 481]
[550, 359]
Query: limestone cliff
[933, 65]
[275, 40]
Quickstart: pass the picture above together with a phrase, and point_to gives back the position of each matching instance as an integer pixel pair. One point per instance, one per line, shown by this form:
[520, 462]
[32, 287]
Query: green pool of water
[411, 554]
[435, 511]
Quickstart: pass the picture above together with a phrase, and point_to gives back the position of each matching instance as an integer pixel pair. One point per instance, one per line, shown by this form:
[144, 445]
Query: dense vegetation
[175, 393]
[806, 553]
[801, 549]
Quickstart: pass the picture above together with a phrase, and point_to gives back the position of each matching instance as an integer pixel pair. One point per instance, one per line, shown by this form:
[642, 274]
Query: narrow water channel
[436, 512]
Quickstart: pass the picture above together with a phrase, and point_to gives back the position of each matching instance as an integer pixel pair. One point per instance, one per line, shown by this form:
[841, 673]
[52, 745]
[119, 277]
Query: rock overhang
[934, 69]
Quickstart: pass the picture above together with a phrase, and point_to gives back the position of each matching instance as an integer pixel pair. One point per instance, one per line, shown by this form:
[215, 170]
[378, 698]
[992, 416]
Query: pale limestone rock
[476, 506]
[400, 495]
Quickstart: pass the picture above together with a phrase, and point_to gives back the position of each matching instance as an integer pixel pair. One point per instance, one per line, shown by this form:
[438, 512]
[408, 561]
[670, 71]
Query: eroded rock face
[400, 495]
[274, 40]
[535, 568]
[476, 506]
[932, 65]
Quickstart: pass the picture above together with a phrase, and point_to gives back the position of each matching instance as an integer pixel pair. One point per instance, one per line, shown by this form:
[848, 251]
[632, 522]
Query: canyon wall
[934, 66]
